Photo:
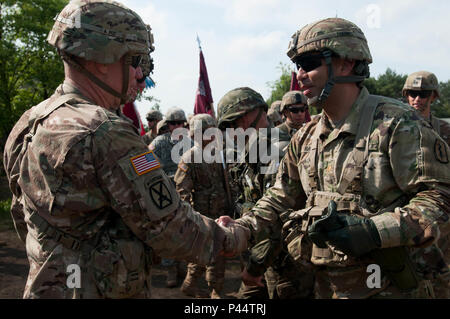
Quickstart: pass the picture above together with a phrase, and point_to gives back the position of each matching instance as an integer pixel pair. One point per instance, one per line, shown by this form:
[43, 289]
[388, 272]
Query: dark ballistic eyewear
[309, 62]
[297, 109]
[136, 61]
[421, 94]
[175, 122]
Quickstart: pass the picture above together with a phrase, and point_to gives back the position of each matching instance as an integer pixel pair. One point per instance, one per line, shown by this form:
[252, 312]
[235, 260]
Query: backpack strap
[360, 153]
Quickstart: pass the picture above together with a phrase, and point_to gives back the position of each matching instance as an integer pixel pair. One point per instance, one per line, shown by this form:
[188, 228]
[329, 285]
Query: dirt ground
[14, 270]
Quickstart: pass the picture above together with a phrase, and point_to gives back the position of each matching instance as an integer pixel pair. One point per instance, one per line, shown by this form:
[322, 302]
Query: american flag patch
[145, 163]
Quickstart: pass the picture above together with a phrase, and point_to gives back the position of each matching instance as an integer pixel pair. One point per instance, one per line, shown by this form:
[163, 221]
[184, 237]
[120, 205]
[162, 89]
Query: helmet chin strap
[318, 101]
[123, 96]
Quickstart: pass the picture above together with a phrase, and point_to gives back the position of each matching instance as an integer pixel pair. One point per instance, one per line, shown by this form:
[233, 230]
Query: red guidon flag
[130, 110]
[203, 99]
[296, 87]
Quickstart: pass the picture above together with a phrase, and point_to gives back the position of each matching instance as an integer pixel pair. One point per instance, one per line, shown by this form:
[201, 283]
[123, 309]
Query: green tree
[30, 68]
[388, 84]
[441, 108]
[281, 85]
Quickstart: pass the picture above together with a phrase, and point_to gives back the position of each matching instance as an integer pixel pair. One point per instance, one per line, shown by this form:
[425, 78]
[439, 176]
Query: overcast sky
[244, 41]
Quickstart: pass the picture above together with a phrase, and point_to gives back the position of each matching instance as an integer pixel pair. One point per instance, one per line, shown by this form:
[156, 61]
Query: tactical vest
[394, 262]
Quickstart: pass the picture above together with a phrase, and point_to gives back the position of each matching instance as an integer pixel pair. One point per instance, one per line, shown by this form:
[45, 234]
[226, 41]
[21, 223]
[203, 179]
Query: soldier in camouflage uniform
[274, 114]
[162, 146]
[293, 106]
[87, 191]
[421, 89]
[368, 179]
[244, 108]
[202, 184]
[153, 117]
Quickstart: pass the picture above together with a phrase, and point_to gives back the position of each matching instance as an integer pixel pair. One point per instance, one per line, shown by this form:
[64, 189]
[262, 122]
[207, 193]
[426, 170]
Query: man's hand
[236, 236]
[249, 280]
[353, 235]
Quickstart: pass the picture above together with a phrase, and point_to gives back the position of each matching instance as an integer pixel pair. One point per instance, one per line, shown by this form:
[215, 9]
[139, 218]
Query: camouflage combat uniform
[152, 115]
[87, 188]
[432, 258]
[202, 185]
[162, 147]
[402, 187]
[283, 279]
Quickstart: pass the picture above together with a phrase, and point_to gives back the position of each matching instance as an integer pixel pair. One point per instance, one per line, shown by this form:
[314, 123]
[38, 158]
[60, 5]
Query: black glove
[353, 235]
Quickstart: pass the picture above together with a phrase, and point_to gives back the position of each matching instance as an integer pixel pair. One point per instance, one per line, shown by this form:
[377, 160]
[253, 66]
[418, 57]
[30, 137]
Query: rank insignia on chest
[144, 163]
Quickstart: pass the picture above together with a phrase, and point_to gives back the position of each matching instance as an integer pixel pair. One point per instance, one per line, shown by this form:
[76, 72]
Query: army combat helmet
[292, 98]
[175, 114]
[332, 37]
[421, 81]
[238, 102]
[154, 115]
[274, 112]
[200, 123]
[102, 31]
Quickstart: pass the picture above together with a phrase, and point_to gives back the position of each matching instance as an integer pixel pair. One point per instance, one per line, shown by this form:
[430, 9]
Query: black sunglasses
[136, 61]
[421, 94]
[308, 62]
[175, 122]
[297, 109]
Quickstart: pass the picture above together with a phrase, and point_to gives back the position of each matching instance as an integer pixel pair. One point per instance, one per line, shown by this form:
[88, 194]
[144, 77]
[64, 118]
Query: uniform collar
[351, 122]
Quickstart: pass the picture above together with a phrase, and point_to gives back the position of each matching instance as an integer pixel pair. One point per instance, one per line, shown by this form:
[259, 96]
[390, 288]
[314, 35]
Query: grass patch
[5, 215]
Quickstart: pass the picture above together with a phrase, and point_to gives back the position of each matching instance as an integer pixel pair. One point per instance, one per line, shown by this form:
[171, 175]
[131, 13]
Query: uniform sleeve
[184, 181]
[142, 194]
[287, 193]
[419, 159]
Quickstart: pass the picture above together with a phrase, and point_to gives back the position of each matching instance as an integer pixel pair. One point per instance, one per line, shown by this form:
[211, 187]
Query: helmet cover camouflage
[275, 105]
[154, 115]
[237, 103]
[421, 81]
[341, 36]
[100, 30]
[201, 122]
[175, 114]
[274, 115]
[292, 98]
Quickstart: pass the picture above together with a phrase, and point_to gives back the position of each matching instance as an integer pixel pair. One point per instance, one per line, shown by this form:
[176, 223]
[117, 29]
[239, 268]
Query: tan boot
[216, 289]
[172, 277]
[189, 286]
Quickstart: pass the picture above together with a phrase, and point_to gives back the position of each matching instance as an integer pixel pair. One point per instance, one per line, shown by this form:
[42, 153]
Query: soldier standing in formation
[202, 184]
[293, 106]
[245, 108]
[274, 115]
[368, 180]
[421, 89]
[153, 117]
[87, 191]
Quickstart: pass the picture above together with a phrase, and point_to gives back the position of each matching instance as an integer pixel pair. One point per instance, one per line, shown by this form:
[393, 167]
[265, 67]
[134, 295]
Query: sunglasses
[421, 94]
[136, 61]
[295, 110]
[309, 62]
[175, 122]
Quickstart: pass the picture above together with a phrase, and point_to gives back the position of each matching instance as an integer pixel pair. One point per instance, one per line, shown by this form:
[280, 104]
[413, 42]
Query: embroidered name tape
[145, 163]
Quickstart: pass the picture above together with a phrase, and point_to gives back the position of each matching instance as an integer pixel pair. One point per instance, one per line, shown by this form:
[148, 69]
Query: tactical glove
[353, 235]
